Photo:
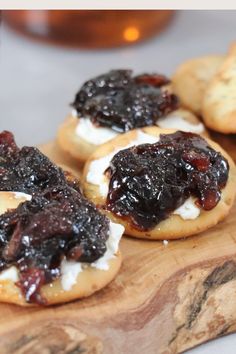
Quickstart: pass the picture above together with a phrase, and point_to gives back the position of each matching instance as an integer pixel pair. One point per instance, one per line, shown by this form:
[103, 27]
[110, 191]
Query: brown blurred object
[89, 28]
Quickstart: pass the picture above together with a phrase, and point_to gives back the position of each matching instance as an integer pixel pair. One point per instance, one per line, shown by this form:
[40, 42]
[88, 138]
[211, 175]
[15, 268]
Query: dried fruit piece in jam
[148, 182]
[57, 223]
[121, 102]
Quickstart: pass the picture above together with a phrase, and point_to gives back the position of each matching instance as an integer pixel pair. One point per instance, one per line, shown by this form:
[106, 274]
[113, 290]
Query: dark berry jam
[121, 102]
[57, 223]
[148, 182]
[26, 170]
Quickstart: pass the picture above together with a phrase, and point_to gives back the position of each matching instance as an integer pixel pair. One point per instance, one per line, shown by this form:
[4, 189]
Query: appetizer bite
[55, 245]
[219, 104]
[161, 184]
[117, 102]
[191, 78]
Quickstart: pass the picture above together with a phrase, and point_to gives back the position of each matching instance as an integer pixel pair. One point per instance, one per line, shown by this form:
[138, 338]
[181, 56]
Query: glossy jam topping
[122, 102]
[26, 170]
[148, 182]
[57, 223]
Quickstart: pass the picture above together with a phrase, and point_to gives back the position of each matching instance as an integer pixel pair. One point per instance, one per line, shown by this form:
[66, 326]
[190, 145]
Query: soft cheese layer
[188, 210]
[70, 269]
[86, 130]
[10, 274]
[177, 122]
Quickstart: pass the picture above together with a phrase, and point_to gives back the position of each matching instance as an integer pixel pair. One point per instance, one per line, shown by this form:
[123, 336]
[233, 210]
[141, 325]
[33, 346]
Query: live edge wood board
[165, 299]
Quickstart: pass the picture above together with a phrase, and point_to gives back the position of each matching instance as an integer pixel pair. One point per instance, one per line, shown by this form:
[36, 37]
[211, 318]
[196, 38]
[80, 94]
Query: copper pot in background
[89, 28]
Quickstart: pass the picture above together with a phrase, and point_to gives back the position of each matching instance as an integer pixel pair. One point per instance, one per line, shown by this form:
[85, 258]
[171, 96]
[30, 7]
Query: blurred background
[46, 55]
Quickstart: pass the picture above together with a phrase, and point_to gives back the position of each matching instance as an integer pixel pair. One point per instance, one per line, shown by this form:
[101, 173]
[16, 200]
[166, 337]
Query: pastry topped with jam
[118, 102]
[150, 181]
[39, 234]
[57, 223]
[122, 102]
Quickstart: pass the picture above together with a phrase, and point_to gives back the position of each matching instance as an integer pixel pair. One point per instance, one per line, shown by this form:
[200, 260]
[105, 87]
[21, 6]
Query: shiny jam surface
[57, 223]
[121, 102]
[148, 182]
[26, 170]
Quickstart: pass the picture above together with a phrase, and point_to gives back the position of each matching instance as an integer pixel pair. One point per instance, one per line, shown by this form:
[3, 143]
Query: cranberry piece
[155, 80]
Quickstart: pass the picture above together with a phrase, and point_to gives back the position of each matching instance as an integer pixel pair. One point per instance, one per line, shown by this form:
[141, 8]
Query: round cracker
[61, 158]
[191, 79]
[219, 104]
[89, 281]
[174, 227]
[75, 174]
[71, 143]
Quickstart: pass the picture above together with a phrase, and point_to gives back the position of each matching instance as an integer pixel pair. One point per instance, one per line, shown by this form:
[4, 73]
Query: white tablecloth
[38, 81]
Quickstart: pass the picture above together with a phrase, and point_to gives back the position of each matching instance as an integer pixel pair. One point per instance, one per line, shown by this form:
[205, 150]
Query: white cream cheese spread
[188, 210]
[71, 269]
[86, 130]
[10, 274]
[177, 122]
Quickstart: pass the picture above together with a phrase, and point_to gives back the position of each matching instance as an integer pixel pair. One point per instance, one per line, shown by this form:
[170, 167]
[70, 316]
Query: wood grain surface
[165, 299]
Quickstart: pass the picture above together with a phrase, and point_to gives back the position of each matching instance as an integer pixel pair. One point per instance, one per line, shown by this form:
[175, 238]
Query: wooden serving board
[165, 299]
